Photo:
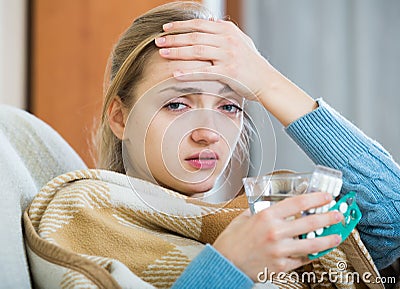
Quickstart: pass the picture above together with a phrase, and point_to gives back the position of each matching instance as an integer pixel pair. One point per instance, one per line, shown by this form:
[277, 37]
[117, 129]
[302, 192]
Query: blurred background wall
[13, 52]
[346, 51]
[53, 54]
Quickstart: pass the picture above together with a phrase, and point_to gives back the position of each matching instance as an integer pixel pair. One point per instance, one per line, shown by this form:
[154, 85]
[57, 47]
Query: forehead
[158, 70]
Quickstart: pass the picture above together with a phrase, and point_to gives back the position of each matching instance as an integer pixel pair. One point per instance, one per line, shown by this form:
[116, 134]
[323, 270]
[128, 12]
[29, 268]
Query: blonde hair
[125, 69]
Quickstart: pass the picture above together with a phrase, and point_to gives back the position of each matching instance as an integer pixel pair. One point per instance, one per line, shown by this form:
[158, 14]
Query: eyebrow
[194, 90]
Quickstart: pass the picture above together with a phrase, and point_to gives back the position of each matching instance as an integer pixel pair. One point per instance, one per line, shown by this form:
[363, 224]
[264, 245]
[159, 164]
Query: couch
[31, 154]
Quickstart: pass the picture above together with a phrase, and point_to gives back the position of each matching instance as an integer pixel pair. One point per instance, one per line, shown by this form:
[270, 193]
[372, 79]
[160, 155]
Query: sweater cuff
[327, 137]
[212, 270]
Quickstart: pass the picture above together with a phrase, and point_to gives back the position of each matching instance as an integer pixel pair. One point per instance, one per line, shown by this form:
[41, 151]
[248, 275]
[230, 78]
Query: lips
[203, 160]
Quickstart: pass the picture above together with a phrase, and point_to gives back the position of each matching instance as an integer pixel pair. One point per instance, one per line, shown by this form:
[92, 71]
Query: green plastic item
[351, 218]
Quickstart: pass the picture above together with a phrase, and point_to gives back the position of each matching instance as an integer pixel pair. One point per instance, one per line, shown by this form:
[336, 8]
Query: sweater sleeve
[210, 269]
[368, 169]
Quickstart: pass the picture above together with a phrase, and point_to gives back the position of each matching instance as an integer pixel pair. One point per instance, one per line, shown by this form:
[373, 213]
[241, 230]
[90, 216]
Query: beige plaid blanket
[100, 229]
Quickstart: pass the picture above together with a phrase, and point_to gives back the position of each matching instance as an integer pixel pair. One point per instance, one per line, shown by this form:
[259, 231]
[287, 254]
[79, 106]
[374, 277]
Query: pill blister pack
[329, 180]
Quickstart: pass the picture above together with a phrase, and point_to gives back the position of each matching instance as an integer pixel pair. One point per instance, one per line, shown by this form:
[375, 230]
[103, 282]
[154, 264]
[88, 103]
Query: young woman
[173, 116]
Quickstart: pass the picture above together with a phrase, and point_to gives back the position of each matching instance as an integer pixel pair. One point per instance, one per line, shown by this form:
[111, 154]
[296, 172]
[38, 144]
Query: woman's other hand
[269, 240]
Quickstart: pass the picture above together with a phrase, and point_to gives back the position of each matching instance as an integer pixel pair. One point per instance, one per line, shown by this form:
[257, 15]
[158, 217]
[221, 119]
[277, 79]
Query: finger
[295, 205]
[189, 39]
[301, 248]
[304, 247]
[200, 25]
[311, 223]
[196, 52]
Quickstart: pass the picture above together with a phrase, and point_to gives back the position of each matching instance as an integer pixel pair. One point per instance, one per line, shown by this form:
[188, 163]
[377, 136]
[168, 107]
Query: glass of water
[264, 191]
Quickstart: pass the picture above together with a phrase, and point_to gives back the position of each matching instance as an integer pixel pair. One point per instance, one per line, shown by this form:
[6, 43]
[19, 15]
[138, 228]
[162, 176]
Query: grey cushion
[31, 154]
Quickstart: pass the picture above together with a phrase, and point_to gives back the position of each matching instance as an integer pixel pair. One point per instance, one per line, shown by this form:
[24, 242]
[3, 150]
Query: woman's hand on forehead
[235, 60]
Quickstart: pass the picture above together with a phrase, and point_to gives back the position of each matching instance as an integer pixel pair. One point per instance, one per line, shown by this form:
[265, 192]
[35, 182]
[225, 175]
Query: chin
[192, 189]
[187, 188]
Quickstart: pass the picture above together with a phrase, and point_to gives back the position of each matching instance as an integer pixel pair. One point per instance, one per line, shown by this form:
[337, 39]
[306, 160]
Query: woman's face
[189, 129]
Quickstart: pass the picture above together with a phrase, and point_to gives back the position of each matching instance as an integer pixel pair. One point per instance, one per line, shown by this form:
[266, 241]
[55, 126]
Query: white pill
[319, 231]
[311, 235]
[332, 185]
[315, 180]
[325, 208]
[343, 207]
[338, 187]
[323, 185]
[332, 203]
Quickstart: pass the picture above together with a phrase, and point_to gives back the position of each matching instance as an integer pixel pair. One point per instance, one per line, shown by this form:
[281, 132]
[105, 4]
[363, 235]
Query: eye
[231, 108]
[176, 106]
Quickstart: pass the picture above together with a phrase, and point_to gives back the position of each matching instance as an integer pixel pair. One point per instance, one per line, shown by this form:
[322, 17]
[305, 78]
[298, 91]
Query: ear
[117, 117]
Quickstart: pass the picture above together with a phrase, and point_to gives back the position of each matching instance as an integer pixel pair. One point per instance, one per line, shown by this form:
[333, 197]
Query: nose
[205, 136]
